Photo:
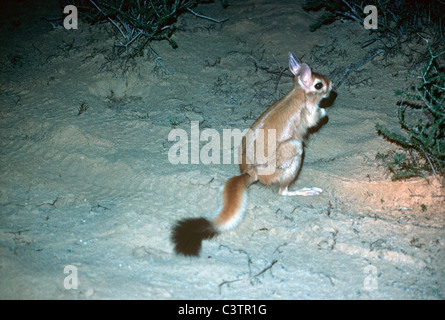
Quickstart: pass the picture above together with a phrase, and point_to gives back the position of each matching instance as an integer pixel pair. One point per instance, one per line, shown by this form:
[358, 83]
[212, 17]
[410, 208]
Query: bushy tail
[188, 234]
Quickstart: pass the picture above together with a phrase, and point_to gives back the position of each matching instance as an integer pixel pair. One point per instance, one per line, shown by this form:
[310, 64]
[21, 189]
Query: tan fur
[271, 162]
[290, 118]
[233, 194]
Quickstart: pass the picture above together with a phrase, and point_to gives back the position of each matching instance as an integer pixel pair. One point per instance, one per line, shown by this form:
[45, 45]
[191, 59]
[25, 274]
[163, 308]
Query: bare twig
[205, 17]
[158, 59]
[265, 269]
[429, 161]
[282, 70]
[354, 67]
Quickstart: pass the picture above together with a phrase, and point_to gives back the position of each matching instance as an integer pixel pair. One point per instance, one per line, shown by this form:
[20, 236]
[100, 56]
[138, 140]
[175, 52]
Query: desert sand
[86, 185]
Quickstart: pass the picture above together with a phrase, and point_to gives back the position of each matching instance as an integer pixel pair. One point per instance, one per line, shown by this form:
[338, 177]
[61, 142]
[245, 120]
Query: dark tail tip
[188, 234]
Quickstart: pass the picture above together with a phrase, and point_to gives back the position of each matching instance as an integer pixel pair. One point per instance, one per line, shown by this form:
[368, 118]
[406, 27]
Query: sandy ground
[93, 194]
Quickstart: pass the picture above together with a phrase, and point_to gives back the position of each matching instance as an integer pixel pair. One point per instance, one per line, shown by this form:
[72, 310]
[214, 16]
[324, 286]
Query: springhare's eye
[318, 85]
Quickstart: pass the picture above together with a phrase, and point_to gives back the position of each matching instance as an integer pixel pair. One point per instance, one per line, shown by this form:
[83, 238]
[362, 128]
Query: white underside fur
[236, 219]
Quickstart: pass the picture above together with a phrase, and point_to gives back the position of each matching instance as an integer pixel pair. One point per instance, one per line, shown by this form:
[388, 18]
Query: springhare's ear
[306, 76]
[294, 64]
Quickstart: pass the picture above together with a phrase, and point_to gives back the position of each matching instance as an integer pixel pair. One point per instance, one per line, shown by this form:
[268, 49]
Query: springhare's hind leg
[290, 153]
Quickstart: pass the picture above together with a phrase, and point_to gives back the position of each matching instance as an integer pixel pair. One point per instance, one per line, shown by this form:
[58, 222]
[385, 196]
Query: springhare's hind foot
[313, 191]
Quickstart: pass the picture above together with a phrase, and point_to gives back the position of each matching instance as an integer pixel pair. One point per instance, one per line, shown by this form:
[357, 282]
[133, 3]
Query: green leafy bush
[421, 111]
[421, 114]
